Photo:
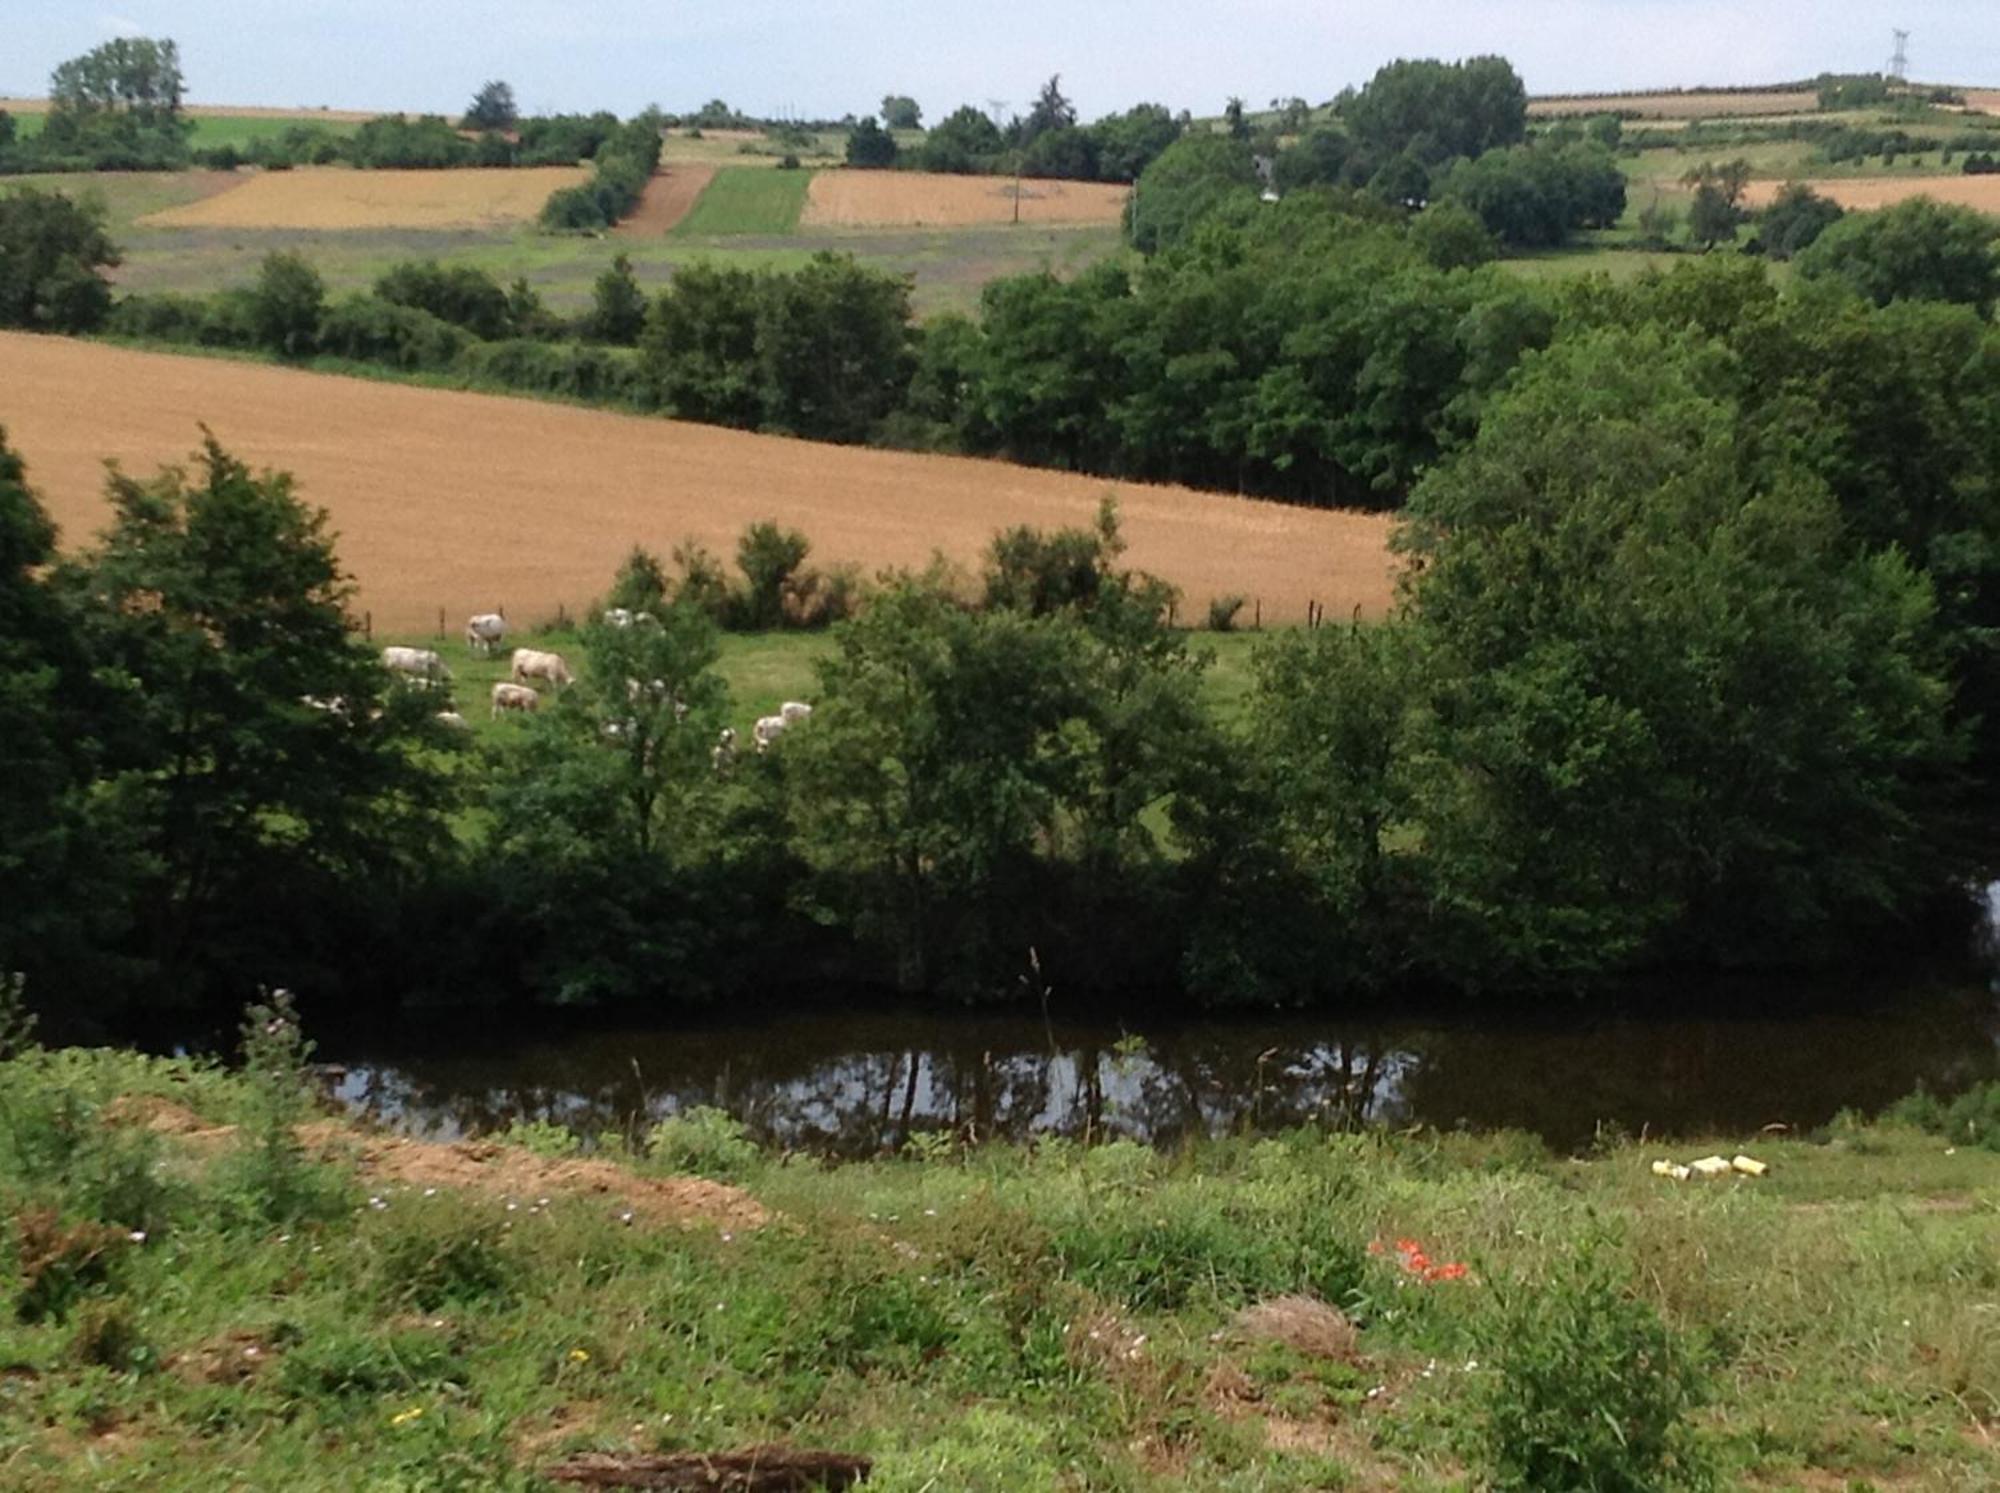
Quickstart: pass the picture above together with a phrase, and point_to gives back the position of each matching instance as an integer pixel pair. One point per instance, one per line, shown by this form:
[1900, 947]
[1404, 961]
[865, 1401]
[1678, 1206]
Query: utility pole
[1899, 64]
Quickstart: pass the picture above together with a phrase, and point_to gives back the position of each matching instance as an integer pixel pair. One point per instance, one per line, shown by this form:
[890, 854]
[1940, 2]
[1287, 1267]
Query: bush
[1971, 1119]
[159, 317]
[429, 1266]
[771, 559]
[1587, 1389]
[371, 330]
[460, 294]
[285, 305]
[1222, 613]
[705, 1142]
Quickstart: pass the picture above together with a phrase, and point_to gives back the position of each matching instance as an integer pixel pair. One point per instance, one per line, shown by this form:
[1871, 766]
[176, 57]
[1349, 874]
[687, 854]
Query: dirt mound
[474, 1166]
[488, 1167]
[1302, 1323]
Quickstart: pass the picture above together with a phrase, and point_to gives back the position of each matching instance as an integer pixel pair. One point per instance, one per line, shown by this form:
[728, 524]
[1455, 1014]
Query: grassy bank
[192, 1299]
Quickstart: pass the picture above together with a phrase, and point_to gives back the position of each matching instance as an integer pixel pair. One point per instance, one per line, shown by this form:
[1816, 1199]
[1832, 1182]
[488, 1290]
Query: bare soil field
[468, 502]
[668, 197]
[1678, 105]
[221, 111]
[1982, 100]
[1866, 192]
[334, 197]
[910, 199]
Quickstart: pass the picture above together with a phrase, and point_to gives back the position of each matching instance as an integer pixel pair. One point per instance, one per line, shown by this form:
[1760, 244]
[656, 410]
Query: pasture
[463, 502]
[741, 200]
[910, 199]
[338, 197]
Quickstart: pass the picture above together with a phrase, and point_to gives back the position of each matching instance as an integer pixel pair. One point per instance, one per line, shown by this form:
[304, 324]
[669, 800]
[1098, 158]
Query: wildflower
[1453, 1271]
[579, 1355]
[404, 1417]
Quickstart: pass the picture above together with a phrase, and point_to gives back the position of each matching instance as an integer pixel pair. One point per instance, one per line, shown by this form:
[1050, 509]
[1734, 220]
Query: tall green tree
[965, 140]
[1438, 110]
[871, 147]
[53, 254]
[1918, 250]
[699, 347]
[286, 304]
[617, 305]
[900, 112]
[263, 766]
[492, 108]
[834, 348]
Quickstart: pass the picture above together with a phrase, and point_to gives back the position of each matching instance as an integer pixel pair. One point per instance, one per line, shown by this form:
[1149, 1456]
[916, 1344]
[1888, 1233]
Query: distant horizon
[382, 56]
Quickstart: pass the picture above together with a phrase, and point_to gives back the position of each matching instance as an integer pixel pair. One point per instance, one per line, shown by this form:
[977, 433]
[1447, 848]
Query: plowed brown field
[914, 199]
[469, 501]
[1866, 192]
[667, 198]
[334, 197]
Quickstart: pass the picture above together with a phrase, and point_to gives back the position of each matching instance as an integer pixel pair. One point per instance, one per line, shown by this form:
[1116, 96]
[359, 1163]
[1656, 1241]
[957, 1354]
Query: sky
[781, 58]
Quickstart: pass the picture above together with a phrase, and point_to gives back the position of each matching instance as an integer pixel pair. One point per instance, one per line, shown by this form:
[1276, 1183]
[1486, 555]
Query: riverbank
[208, 1286]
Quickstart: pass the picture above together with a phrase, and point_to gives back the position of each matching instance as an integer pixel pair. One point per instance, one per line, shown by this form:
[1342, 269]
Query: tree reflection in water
[863, 1083]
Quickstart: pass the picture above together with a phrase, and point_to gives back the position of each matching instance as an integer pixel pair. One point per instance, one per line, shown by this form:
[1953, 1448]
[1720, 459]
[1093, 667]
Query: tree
[833, 348]
[964, 141]
[1716, 211]
[58, 879]
[1795, 219]
[263, 766]
[617, 305]
[900, 112]
[286, 303]
[492, 108]
[1451, 236]
[1190, 179]
[1051, 111]
[605, 805]
[1128, 143]
[460, 294]
[699, 348]
[52, 255]
[1918, 250]
[1439, 110]
[1233, 122]
[771, 558]
[1687, 717]
[118, 104]
[870, 146]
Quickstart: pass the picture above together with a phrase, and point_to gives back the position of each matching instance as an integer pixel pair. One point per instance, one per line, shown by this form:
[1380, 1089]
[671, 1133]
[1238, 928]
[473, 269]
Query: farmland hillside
[465, 501]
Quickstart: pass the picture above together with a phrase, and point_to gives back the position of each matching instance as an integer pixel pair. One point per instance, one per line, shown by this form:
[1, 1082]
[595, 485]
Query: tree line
[1689, 670]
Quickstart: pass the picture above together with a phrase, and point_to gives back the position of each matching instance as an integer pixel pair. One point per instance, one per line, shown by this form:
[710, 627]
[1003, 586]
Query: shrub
[286, 303]
[159, 317]
[770, 558]
[1588, 1389]
[460, 294]
[703, 1141]
[271, 1175]
[458, 1261]
[1971, 1119]
[357, 1363]
[543, 1138]
[368, 329]
[59, 1262]
[1222, 612]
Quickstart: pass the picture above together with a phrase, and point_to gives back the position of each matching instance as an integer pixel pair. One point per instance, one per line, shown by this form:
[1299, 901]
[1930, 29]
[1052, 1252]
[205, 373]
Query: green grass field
[191, 1307]
[212, 131]
[747, 200]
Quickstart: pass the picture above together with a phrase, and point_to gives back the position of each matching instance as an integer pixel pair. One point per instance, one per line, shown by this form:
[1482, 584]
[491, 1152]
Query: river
[856, 1082]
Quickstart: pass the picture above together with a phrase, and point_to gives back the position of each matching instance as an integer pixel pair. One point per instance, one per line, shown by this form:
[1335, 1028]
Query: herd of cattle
[533, 667]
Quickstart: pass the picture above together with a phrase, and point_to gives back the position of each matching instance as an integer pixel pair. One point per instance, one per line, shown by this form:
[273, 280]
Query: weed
[543, 1138]
[60, 1262]
[703, 1141]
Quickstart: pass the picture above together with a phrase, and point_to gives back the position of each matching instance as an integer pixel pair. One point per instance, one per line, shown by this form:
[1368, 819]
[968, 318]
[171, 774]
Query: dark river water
[860, 1081]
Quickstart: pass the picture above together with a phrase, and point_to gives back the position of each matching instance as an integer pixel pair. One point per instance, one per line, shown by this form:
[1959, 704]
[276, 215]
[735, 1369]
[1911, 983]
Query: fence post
[1259, 624]
[440, 623]
[368, 626]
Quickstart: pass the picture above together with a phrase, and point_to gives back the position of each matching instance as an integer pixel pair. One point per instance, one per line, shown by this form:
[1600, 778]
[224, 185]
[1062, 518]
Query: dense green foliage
[1918, 250]
[53, 254]
[620, 169]
[1796, 217]
[117, 108]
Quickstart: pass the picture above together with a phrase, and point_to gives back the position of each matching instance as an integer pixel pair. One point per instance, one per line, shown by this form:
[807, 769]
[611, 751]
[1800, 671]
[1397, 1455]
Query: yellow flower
[577, 1355]
[404, 1417]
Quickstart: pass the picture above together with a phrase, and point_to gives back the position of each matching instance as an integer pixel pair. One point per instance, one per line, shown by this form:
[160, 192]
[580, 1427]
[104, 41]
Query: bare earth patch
[668, 198]
[474, 1166]
[468, 502]
[1868, 192]
[337, 197]
[910, 199]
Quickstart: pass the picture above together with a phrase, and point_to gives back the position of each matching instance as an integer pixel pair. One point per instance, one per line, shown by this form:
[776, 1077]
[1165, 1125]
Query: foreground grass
[744, 200]
[971, 1318]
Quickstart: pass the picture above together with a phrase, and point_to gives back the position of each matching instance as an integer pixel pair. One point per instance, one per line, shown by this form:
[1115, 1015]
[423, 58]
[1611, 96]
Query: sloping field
[469, 501]
[1983, 100]
[1865, 192]
[913, 199]
[1677, 105]
[667, 199]
[334, 197]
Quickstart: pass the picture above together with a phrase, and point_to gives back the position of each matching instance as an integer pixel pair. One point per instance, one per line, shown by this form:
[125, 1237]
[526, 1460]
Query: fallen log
[757, 1469]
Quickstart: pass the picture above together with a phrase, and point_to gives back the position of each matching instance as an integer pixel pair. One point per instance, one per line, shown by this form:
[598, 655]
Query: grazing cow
[624, 617]
[485, 632]
[332, 705]
[453, 718]
[767, 730]
[415, 663]
[724, 754]
[531, 663]
[513, 697]
[794, 711]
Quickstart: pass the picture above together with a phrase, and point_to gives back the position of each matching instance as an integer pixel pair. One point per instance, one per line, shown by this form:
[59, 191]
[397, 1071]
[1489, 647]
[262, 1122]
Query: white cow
[624, 617]
[333, 705]
[453, 718]
[485, 632]
[794, 711]
[415, 663]
[767, 730]
[513, 697]
[532, 663]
